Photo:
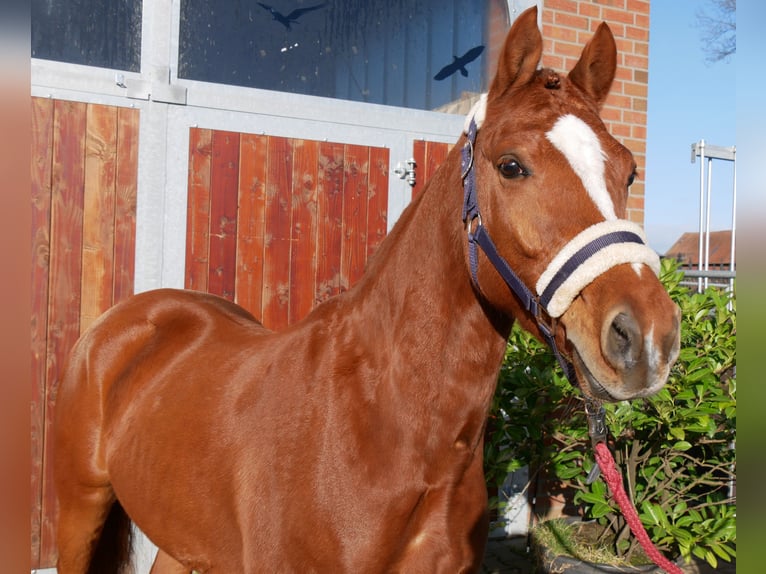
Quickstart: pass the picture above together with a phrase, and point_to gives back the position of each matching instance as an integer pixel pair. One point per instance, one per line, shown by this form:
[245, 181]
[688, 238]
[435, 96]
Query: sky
[689, 100]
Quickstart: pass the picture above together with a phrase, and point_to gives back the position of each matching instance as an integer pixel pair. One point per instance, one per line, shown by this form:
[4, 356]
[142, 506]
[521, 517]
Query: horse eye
[631, 178]
[510, 168]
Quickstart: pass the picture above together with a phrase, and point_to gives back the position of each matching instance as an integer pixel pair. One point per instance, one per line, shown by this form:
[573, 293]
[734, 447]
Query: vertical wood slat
[377, 198]
[64, 280]
[428, 156]
[75, 152]
[42, 153]
[419, 155]
[355, 182]
[198, 209]
[436, 153]
[276, 263]
[250, 222]
[304, 228]
[223, 213]
[98, 213]
[330, 232]
[125, 203]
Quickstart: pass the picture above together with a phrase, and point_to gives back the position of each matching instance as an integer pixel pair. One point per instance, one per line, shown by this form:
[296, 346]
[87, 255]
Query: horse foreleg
[166, 564]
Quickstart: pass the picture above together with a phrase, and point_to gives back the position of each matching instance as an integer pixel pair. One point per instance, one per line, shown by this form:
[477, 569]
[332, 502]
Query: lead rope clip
[597, 430]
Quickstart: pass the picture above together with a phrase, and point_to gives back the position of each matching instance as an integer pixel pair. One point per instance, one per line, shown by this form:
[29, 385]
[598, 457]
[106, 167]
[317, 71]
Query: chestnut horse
[352, 440]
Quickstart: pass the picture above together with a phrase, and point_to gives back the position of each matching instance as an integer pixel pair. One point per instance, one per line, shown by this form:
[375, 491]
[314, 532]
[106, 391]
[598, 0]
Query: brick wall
[567, 25]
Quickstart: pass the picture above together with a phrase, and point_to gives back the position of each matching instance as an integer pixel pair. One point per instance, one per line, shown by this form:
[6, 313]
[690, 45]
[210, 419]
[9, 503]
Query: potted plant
[675, 449]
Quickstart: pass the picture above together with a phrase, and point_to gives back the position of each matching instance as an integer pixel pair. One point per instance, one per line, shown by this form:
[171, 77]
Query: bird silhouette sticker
[293, 16]
[459, 64]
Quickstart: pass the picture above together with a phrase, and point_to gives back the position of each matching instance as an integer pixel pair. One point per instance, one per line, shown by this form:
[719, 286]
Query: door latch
[407, 173]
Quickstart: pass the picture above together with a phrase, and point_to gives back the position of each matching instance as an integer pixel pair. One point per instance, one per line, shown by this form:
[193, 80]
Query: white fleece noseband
[570, 282]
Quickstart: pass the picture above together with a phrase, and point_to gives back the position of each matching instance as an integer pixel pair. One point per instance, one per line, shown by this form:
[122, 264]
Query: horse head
[552, 183]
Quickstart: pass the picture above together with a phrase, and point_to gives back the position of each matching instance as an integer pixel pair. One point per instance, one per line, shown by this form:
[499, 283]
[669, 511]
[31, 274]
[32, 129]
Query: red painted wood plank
[304, 228]
[419, 155]
[41, 156]
[198, 209]
[65, 271]
[377, 198]
[329, 220]
[98, 213]
[250, 222]
[223, 214]
[355, 182]
[436, 153]
[125, 203]
[276, 261]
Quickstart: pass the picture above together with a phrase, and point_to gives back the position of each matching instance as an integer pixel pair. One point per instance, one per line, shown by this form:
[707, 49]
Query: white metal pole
[701, 148]
[708, 209]
[732, 266]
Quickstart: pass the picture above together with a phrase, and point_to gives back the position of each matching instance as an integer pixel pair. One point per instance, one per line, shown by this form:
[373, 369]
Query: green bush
[675, 449]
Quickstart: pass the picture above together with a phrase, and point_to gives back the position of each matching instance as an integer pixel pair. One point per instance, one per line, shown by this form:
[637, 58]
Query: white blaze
[579, 144]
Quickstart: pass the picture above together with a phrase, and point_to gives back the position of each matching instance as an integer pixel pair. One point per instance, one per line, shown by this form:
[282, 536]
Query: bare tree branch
[719, 30]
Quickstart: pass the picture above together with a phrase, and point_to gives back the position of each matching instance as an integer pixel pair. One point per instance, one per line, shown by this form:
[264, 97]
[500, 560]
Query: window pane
[380, 51]
[89, 32]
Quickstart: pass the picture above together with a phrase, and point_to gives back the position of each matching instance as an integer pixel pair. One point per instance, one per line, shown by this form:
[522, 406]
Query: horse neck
[444, 344]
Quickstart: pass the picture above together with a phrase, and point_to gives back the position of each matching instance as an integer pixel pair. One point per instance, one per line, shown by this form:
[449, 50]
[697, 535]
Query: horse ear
[596, 67]
[523, 48]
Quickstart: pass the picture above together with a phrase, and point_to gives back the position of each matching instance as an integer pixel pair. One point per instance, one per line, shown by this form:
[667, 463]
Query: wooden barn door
[280, 224]
[84, 170]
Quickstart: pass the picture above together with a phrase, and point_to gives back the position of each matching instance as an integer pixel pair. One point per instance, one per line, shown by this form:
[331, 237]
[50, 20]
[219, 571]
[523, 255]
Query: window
[89, 32]
[420, 55]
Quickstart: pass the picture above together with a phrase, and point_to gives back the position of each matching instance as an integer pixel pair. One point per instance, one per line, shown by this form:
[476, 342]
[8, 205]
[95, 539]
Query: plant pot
[563, 545]
[549, 562]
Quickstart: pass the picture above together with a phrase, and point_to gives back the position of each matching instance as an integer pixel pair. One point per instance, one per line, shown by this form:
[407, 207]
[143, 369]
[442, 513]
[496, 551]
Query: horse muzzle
[624, 349]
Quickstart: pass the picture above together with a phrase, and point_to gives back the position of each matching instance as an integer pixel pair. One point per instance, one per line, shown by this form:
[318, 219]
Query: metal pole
[708, 209]
[732, 266]
[701, 148]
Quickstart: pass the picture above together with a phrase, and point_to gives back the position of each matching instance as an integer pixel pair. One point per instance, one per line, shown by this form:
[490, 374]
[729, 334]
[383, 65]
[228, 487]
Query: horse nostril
[623, 341]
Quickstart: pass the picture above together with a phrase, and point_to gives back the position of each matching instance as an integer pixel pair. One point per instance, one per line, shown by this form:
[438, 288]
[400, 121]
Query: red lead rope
[614, 480]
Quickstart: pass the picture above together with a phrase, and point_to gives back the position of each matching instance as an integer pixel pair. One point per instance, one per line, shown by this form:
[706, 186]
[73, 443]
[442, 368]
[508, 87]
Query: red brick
[641, 48]
[623, 73]
[589, 9]
[636, 33]
[620, 131]
[555, 62]
[635, 203]
[559, 33]
[638, 132]
[634, 89]
[612, 3]
[638, 6]
[567, 49]
[619, 101]
[611, 15]
[634, 117]
[636, 61]
[563, 5]
[611, 114]
[624, 46]
[571, 21]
